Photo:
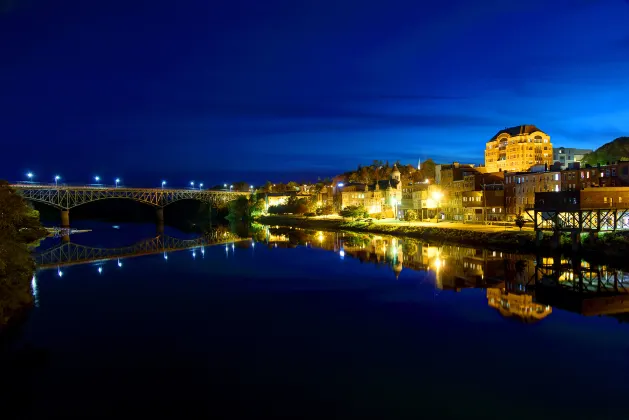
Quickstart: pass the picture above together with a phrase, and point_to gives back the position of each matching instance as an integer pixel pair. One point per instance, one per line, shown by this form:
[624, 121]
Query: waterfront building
[567, 156]
[520, 188]
[516, 149]
[384, 196]
[615, 174]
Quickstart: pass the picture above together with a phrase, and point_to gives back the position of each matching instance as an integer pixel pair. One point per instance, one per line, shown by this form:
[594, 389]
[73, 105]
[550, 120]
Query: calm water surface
[320, 325]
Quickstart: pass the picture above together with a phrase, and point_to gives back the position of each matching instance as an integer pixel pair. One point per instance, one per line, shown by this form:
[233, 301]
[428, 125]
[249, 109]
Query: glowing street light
[192, 184]
[30, 176]
[251, 186]
[340, 184]
[117, 182]
[163, 183]
[224, 185]
[57, 178]
[230, 188]
[97, 179]
[201, 185]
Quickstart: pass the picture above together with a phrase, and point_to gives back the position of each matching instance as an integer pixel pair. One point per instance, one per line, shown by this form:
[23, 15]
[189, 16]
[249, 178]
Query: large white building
[568, 155]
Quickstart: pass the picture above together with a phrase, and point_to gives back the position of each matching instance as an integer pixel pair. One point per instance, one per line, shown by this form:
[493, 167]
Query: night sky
[220, 91]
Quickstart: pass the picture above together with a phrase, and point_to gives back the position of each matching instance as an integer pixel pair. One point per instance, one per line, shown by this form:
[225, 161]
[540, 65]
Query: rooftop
[516, 131]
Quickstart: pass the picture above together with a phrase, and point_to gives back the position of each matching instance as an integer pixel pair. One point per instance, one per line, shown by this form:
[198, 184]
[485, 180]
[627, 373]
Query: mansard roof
[517, 130]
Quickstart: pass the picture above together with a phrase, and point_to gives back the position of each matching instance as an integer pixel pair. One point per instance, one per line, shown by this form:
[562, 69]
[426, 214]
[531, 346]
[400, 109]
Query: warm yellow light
[320, 236]
[437, 195]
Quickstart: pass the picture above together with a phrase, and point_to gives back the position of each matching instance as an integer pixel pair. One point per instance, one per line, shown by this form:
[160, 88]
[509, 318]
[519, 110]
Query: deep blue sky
[256, 90]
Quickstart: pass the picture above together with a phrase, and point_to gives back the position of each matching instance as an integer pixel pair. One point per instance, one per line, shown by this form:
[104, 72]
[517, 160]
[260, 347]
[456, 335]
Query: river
[319, 324]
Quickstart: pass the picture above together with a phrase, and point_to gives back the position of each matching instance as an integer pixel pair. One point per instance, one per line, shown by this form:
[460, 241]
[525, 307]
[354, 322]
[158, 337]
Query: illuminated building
[520, 188]
[516, 149]
[519, 306]
[382, 197]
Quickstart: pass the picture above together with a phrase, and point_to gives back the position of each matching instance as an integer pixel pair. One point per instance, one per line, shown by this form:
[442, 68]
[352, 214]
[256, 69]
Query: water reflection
[70, 253]
[519, 287]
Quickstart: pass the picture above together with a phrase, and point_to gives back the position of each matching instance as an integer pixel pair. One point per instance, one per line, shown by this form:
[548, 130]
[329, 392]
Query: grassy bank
[611, 248]
[503, 240]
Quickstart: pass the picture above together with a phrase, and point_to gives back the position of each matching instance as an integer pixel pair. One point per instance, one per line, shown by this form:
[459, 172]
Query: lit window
[556, 188]
[556, 177]
[620, 199]
[604, 199]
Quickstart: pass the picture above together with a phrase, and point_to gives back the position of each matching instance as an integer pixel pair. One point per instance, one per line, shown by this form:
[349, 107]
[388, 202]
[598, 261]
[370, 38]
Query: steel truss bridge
[66, 198]
[585, 220]
[69, 253]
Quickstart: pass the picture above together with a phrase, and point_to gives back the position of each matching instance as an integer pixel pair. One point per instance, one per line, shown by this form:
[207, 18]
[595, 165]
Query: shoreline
[612, 250]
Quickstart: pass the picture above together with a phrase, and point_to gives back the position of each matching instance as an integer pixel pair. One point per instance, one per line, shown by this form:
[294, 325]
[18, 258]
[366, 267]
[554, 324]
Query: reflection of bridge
[72, 254]
[66, 198]
[579, 287]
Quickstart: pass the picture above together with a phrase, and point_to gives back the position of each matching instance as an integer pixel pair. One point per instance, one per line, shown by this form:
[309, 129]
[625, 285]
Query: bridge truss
[66, 198]
[589, 220]
[73, 254]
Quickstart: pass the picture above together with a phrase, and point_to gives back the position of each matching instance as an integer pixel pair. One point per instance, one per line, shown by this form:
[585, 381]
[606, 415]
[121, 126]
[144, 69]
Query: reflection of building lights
[165, 256]
[342, 253]
[100, 270]
[194, 254]
[34, 289]
[202, 251]
[437, 264]
[119, 263]
[320, 236]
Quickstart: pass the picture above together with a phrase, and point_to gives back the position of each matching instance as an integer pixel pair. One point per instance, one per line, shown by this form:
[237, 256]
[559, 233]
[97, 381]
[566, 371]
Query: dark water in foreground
[319, 330]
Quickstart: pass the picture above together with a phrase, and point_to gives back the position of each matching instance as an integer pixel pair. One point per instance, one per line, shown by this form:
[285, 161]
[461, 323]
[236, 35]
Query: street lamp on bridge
[97, 179]
[163, 183]
[192, 184]
[230, 188]
[57, 178]
[201, 185]
[117, 182]
[29, 176]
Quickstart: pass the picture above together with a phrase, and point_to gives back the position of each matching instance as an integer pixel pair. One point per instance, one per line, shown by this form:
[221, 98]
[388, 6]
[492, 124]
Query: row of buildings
[519, 162]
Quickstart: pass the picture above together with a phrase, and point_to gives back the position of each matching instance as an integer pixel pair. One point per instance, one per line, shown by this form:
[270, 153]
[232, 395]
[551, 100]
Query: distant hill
[613, 151]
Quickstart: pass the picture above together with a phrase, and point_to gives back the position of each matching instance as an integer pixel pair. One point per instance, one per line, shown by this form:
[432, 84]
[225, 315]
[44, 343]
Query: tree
[354, 212]
[410, 216]
[519, 221]
[292, 186]
[19, 225]
[241, 186]
[300, 208]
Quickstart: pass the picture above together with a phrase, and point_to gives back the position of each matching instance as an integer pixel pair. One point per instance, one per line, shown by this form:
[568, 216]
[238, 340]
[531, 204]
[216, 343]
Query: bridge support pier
[159, 222]
[159, 213]
[575, 236]
[539, 236]
[65, 218]
[556, 240]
